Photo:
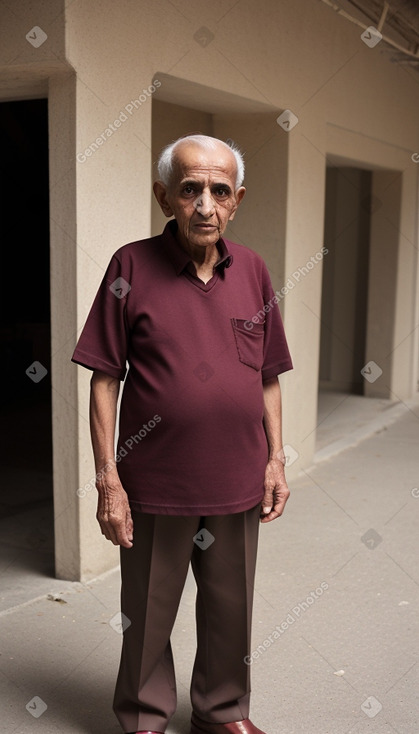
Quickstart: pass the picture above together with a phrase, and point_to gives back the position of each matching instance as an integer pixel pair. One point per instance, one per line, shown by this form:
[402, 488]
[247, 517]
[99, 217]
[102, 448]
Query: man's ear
[160, 192]
[239, 196]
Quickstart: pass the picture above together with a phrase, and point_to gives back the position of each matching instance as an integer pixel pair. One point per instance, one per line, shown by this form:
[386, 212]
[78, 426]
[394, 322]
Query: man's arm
[113, 512]
[276, 489]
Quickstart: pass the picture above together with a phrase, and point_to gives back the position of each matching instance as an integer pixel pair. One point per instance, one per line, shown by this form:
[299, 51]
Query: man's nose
[204, 204]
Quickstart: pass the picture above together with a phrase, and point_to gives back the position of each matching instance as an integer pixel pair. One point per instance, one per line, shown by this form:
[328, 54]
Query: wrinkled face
[201, 194]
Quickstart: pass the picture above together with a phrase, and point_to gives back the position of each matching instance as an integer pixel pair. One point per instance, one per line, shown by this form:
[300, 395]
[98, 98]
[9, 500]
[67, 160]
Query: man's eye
[188, 189]
[221, 192]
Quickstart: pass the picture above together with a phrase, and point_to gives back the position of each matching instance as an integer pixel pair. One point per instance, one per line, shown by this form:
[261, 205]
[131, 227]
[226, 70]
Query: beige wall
[355, 108]
[382, 287]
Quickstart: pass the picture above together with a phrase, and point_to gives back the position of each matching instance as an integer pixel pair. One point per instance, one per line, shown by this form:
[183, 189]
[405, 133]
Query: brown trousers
[153, 576]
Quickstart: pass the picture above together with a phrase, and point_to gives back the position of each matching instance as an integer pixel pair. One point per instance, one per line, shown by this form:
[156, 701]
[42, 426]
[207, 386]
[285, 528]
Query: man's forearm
[276, 489]
[103, 404]
[113, 512]
[273, 417]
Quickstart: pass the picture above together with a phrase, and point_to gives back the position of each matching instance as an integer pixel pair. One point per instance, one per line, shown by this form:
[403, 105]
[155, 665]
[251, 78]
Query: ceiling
[397, 21]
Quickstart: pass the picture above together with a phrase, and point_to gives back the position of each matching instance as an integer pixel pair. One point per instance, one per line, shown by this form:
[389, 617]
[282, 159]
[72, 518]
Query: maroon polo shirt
[191, 435]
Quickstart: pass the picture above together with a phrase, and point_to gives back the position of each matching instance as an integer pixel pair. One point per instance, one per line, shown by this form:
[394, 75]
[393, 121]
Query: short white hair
[166, 157]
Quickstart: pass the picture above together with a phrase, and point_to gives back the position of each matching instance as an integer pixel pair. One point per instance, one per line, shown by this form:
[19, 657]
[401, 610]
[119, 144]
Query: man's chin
[203, 237]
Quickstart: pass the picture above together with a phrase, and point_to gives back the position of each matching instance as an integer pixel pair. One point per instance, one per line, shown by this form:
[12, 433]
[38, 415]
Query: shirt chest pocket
[249, 338]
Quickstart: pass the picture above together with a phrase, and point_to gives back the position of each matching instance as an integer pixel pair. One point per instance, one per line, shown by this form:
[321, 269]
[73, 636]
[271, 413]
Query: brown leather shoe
[234, 727]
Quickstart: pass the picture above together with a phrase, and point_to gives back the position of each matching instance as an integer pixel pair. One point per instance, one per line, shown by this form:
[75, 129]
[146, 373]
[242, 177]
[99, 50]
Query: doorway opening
[26, 505]
[348, 208]
[362, 214]
[343, 335]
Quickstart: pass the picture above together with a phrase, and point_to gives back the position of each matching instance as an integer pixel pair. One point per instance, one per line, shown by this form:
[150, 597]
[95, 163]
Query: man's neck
[202, 257]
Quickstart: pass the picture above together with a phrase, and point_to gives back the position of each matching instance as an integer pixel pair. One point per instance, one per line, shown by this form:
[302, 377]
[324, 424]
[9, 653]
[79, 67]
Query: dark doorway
[26, 507]
[348, 210]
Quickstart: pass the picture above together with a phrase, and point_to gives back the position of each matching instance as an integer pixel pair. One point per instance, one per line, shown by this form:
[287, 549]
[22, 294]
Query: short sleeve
[103, 343]
[276, 355]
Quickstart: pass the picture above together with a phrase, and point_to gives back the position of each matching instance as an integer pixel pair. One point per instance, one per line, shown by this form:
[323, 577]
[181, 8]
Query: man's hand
[276, 491]
[113, 511]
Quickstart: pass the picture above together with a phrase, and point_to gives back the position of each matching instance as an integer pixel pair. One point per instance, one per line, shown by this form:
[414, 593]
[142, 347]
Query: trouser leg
[153, 575]
[224, 573]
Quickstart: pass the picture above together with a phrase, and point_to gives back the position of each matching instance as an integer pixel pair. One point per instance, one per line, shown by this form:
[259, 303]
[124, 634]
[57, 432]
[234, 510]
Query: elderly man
[199, 457]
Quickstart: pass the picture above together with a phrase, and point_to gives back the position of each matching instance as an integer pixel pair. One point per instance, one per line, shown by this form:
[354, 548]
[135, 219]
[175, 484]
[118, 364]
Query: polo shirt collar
[180, 258]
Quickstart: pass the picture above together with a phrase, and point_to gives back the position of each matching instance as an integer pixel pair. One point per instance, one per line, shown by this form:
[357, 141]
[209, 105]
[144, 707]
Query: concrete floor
[340, 414]
[338, 572]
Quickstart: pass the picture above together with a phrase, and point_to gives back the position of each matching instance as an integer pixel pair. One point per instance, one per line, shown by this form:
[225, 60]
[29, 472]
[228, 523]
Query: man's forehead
[193, 160]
